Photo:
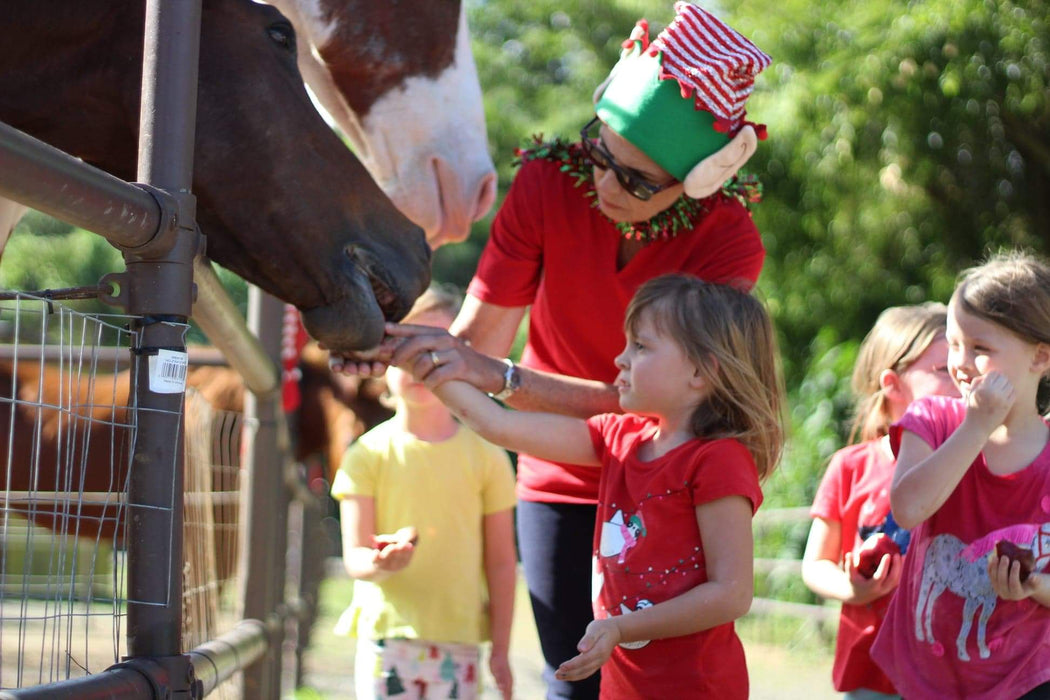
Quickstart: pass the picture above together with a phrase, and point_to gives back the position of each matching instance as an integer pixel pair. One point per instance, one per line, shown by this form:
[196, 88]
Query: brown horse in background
[66, 435]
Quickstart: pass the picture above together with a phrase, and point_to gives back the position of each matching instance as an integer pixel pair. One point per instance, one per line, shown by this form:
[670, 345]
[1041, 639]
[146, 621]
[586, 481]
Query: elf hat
[681, 99]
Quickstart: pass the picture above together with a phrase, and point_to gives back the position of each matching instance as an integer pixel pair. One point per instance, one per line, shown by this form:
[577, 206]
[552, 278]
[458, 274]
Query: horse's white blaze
[429, 151]
[423, 142]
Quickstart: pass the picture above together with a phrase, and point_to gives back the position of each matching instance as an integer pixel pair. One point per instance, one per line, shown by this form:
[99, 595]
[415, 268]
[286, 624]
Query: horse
[282, 202]
[399, 80]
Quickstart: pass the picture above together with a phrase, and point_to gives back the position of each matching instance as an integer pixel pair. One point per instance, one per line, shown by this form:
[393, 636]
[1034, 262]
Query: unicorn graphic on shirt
[949, 564]
[620, 534]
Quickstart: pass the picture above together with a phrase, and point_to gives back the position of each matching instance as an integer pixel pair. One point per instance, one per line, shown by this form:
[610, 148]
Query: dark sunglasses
[636, 186]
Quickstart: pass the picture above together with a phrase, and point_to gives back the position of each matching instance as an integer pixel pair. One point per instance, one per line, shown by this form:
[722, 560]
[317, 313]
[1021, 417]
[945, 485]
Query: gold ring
[434, 358]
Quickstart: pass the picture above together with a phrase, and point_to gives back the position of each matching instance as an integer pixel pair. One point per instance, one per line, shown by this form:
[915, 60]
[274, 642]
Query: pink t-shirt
[647, 550]
[855, 492]
[549, 248]
[946, 633]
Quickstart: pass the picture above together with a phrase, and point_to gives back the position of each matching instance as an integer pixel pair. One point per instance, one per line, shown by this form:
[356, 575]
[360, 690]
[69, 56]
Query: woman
[582, 227]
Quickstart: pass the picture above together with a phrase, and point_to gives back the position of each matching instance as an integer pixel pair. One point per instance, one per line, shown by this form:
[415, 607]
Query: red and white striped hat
[711, 62]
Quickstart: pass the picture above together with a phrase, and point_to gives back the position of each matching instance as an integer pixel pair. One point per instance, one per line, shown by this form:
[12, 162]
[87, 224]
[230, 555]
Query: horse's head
[283, 202]
[399, 79]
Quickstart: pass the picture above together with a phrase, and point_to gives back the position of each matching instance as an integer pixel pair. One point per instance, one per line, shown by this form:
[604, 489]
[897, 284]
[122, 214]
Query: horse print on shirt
[950, 564]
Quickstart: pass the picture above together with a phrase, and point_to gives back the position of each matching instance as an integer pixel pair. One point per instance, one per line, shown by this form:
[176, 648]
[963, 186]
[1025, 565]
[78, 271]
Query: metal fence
[129, 584]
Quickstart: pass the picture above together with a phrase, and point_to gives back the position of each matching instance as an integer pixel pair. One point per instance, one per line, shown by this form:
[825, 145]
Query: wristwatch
[511, 381]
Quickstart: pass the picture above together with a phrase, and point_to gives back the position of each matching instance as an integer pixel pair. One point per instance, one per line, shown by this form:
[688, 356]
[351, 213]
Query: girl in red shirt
[903, 358]
[679, 484]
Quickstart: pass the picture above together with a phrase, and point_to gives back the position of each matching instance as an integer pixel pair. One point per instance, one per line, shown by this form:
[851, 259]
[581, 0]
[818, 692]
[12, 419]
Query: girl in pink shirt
[973, 474]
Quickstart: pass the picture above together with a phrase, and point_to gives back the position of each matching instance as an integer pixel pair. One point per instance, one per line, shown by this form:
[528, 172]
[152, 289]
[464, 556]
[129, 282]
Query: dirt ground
[777, 673]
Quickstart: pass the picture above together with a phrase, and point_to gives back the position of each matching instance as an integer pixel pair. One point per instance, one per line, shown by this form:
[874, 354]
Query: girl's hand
[499, 665]
[367, 363]
[394, 552]
[1006, 579]
[885, 579]
[990, 398]
[596, 647]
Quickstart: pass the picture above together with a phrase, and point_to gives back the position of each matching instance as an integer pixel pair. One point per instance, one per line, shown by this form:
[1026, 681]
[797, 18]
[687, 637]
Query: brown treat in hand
[1006, 548]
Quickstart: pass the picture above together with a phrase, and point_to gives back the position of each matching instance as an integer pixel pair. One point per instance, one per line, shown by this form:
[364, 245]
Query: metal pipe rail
[52, 181]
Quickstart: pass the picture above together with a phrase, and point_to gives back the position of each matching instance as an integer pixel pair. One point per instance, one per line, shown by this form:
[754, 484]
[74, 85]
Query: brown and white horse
[284, 204]
[398, 78]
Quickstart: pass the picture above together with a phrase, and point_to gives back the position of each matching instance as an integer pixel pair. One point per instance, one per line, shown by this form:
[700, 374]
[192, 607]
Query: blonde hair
[727, 333]
[899, 337]
[438, 298]
[1012, 290]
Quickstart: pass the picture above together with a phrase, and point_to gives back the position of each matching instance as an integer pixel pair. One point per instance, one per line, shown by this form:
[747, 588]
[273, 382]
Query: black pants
[556, 544]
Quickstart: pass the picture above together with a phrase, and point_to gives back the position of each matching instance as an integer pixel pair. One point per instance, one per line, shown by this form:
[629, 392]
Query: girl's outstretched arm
[545, 435]
[725, 530]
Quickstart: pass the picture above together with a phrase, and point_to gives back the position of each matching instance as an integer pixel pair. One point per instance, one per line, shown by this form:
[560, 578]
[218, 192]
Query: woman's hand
[435, 356]
[595, 648]
[886, 578]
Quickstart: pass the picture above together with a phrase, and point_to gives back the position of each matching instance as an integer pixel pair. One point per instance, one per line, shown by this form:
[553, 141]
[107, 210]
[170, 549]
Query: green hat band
[652, 115]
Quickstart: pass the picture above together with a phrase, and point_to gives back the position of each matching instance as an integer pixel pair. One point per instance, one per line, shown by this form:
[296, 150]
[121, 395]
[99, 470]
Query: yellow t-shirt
[444, 489]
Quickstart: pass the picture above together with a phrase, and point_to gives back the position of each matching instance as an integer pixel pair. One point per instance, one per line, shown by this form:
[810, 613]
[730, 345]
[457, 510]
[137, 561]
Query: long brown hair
[729, 336]
[900, 335]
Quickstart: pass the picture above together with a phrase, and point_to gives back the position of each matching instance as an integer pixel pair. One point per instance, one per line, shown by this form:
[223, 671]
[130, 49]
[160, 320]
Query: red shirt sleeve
[726, 468]
[827, 504]
[511, 264]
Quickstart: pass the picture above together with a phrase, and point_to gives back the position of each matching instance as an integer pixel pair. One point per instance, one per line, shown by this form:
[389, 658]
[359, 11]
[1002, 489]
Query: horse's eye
[283, 36]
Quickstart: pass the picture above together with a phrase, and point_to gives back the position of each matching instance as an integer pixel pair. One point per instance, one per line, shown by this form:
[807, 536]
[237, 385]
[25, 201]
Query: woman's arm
[544, 435]
[361, 557]
[481, 336]
[501, 576]
[822, 574]
[725, 530]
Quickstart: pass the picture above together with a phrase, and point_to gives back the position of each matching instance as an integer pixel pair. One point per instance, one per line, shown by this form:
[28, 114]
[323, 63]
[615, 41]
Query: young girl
[440, 578]
[972, 472]
[903, 358]
[679, 485]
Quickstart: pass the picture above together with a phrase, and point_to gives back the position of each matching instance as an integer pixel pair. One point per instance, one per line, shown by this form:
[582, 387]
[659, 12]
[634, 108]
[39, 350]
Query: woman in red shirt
[649, 189]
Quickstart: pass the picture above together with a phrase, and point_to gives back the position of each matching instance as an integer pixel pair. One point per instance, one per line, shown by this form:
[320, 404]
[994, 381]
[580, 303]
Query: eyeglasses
[636, 185]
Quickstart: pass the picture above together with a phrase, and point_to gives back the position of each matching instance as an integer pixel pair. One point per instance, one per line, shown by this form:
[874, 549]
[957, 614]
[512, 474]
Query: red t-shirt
[549, 248]
[946, 634]
[647, 550]
[855, 492]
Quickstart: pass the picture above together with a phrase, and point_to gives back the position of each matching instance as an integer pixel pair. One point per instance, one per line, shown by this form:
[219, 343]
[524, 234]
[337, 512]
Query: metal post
[266, 538]
[161, 294]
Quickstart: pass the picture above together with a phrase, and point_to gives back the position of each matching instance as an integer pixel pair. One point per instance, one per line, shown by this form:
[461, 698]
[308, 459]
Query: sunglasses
[635, 185]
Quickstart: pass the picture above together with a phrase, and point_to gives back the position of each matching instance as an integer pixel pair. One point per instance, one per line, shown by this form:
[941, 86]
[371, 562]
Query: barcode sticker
[167, 372]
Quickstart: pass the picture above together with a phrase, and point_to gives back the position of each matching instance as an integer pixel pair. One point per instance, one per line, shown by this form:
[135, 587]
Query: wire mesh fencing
[67, 427]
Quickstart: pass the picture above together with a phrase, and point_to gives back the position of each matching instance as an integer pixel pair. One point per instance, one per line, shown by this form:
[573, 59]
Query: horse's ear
[708, 176]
